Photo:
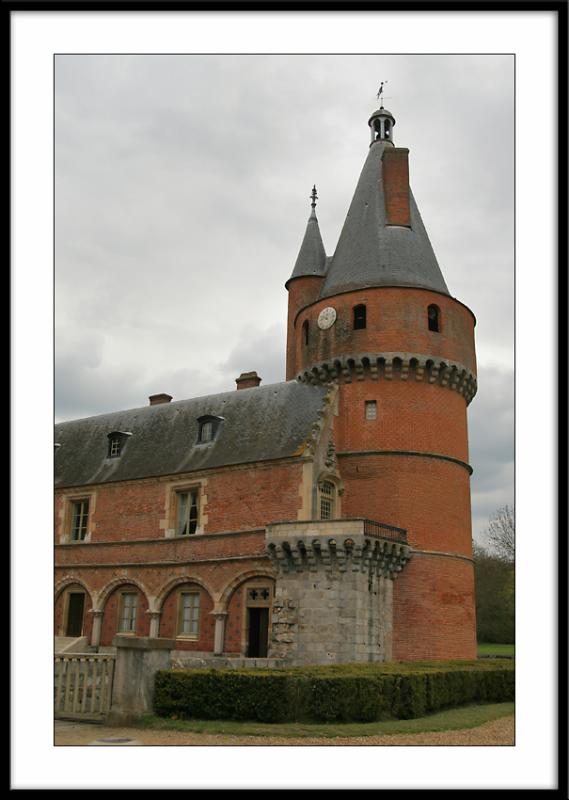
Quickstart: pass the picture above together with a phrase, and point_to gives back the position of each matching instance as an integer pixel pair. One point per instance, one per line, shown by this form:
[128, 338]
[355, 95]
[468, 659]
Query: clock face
[326, 318]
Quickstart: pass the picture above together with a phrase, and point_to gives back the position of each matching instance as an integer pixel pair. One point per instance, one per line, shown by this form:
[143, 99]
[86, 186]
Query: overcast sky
[182, 195]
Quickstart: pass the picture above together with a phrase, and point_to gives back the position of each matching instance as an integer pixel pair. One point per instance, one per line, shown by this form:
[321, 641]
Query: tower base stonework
[334, 589]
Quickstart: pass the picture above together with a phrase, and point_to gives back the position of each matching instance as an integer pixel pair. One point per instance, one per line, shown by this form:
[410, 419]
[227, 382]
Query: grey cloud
[182, 186]
[491, 435]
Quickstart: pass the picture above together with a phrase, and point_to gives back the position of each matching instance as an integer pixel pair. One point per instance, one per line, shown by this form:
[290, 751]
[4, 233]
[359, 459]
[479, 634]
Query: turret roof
[311, 258]
[372, 253]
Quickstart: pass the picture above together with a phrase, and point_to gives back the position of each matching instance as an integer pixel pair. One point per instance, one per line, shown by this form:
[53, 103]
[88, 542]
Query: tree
[495, 597]
[501, 533]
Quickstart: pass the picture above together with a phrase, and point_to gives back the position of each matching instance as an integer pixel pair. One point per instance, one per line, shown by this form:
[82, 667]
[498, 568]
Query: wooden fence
[83, 685]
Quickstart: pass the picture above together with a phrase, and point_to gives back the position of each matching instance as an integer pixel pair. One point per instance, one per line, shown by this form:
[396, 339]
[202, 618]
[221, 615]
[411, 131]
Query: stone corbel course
[390, 366]
[339, 546]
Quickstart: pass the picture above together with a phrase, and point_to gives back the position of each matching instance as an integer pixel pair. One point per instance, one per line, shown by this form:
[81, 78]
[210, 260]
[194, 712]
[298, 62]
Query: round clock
[326, 318]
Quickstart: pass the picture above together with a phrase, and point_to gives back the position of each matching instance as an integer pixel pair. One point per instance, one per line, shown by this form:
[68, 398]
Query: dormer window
[208, 427]
[117, 441]
[206, 431]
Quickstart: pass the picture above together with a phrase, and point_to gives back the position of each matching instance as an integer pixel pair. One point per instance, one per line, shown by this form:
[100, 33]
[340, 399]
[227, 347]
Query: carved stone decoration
[330, 459]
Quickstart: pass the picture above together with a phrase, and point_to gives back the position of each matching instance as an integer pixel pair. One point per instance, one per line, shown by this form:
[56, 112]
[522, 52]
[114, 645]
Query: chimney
[396, 185]
[247, 380]
[157, 399]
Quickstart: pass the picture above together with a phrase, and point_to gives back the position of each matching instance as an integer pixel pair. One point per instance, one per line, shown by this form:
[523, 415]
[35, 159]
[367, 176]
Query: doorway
[258, 626]
[75, 611]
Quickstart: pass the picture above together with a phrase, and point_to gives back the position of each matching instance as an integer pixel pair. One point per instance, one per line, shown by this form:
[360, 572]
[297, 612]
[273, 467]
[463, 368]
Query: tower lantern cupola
[381, 124]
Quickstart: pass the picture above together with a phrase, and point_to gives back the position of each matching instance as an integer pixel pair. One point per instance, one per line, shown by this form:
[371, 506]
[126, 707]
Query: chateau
[322, 519]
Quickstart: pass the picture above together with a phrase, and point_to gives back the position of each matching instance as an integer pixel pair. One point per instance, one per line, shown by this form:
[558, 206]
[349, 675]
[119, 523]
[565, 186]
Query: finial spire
[314, 197]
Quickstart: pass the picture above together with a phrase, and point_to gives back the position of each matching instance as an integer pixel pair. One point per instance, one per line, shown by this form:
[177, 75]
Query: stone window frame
[66, 529]
[188, 589]
[189, 493]
[334, 480]
[261, 582]
[128, 590]
[369, 407]
[170, 523]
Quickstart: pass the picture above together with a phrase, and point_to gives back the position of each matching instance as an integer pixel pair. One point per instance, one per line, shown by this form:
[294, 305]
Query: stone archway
[249, 613]
[73, 606]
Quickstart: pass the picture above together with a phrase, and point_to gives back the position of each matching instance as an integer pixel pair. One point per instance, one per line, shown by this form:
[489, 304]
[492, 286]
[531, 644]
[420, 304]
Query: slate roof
[311, 258]
[259, 424]
[372, 253]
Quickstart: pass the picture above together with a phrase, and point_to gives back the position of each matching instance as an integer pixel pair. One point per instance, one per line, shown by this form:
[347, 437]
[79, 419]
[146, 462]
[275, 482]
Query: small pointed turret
[311, 258]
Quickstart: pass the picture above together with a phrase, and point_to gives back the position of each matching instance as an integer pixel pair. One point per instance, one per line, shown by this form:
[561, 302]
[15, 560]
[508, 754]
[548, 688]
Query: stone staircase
[71, 644]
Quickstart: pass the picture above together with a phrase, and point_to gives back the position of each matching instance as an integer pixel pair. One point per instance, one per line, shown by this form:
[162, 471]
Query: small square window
[371, 409]
[114, 448]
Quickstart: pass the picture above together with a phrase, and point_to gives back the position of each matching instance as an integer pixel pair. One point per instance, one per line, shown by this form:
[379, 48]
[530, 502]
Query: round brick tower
[378, 320]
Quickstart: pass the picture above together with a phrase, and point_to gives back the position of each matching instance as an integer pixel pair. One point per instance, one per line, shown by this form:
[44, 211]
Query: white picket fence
[83, 685]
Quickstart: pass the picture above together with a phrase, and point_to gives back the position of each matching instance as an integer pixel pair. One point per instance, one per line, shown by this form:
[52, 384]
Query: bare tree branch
[501, 533]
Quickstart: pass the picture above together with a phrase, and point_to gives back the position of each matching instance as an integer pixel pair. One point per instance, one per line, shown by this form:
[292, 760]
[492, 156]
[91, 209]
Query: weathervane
[380, 92]
[313, 196]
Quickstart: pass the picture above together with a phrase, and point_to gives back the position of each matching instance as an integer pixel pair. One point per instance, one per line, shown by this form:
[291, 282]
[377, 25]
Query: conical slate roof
[311, 258]
[372, 253]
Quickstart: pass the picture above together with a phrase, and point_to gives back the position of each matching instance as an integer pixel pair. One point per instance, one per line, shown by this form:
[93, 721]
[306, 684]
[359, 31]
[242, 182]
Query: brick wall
[396, 322]
[410, 416]
[428, 497]
[301, 292]
[233, 498]
[434, 614]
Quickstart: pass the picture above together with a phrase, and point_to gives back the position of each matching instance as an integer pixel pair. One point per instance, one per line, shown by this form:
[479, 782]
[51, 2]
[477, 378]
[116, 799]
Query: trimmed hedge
[346, 693]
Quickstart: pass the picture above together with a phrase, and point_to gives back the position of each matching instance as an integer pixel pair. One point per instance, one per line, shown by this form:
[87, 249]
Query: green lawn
[453, 719]
[496, 649]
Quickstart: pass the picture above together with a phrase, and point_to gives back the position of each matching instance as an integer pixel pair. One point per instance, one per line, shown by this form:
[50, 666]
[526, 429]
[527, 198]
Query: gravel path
[499, 732]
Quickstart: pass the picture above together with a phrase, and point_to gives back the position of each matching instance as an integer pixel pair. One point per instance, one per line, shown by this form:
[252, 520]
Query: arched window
[326, 500]
[305, 331]
[434, 317]
[359, 317]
